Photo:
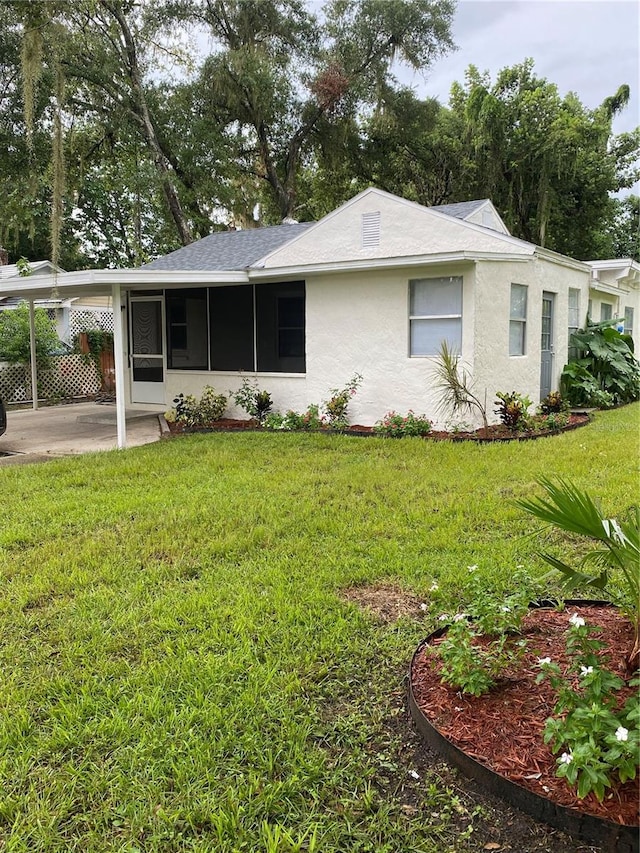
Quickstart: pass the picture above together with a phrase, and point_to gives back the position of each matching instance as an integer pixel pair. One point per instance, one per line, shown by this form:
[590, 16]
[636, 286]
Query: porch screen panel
[280, 327]
[187, 331]
[232, 327]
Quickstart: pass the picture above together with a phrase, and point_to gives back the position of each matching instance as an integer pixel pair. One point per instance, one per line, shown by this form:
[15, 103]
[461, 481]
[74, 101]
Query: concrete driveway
[53, 431]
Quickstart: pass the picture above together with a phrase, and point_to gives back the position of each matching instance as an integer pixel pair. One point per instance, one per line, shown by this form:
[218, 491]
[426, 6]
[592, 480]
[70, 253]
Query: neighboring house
[372, 288]
[613, 294]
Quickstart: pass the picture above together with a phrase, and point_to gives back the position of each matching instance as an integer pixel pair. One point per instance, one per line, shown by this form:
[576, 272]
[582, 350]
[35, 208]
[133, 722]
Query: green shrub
[15, 340]
[336, 406]
[293, 421]
[513, 410]
[553, 403]
[191, 412]
[607, 373]
[256, 403]
[395, 426]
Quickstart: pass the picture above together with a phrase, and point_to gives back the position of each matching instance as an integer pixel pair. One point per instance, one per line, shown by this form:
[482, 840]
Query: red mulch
[504, 729]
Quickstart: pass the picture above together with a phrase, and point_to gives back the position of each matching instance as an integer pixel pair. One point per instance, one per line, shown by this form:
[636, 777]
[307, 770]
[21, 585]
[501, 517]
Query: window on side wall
[628, 321]
[574, 319]
[606, 312]
[187, 329]
[518, 319]
[435, 315]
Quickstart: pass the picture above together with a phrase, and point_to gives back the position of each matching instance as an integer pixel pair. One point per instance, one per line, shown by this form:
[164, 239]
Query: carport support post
[32, 346]
[118, 357]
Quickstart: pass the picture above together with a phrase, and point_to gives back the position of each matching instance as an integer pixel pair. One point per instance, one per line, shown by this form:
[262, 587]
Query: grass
[178, 670]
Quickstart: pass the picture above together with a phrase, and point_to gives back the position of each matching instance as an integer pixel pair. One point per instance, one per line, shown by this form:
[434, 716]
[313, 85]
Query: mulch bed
[504, 729]
[496, 432]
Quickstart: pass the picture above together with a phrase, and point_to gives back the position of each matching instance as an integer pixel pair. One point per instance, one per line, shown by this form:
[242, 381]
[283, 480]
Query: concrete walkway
[52, 431]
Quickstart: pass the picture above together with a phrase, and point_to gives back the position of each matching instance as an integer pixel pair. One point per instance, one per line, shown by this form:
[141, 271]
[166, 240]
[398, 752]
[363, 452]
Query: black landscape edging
[614, 837]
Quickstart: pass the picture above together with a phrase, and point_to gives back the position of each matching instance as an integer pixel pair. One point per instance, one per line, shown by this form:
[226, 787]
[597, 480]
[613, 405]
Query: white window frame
[603, 307]
[628, 320]
[521, 321]
[456, 280]
[572, 327]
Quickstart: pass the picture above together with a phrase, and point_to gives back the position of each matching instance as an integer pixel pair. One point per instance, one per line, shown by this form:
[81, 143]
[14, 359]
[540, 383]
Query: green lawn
[179, 671]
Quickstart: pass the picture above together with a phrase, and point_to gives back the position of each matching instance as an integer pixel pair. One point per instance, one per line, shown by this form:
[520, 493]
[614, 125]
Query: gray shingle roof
[229, 250]
[460, 209]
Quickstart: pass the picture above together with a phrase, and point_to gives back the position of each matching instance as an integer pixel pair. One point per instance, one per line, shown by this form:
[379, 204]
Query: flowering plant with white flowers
[599, 739]
[467, 665]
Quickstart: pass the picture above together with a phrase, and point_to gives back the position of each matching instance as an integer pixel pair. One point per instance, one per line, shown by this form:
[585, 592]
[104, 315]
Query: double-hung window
[628, 321]
[518, 319]
[573, 319]
[435, 315]
[606, 312]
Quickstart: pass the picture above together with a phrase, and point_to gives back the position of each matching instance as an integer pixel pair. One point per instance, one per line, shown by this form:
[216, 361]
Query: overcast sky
[589, 47]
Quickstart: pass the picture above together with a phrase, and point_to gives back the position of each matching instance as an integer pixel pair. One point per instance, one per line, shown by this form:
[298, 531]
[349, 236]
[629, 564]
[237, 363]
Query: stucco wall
[359, 323]
[495, 369]
[405, 229]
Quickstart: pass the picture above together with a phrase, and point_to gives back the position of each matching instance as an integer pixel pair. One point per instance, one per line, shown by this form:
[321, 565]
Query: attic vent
[371, 230]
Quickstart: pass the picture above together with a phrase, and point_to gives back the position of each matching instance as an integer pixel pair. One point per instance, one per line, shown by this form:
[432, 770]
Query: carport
[69, 429]
[86, 283]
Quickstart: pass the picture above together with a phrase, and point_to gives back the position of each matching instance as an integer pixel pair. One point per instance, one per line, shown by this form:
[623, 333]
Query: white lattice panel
[70, 376]
[83, 319]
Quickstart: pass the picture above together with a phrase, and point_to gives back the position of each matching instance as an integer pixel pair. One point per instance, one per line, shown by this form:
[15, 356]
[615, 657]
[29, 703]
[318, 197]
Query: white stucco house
[372, 288]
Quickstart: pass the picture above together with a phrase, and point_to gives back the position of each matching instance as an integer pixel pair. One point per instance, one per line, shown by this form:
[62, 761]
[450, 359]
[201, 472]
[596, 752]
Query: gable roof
[229, 250]
[410, 230]
[460, 209]
[35, 267]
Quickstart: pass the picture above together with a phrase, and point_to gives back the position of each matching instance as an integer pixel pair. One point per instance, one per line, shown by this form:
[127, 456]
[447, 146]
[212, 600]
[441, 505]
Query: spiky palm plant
[613, 566]
[456, 386]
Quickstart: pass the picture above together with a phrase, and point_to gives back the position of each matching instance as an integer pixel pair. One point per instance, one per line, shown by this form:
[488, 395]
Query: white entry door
[146, 349]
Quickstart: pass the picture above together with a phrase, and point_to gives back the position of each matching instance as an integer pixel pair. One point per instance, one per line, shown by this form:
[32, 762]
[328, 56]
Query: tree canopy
[122, 141]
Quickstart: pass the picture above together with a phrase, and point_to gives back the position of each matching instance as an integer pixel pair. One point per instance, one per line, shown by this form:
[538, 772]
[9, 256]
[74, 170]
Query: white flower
[622, 733]
[506, 609]
[413, 774]
[423, 606]
[472, 568]
[434, 586]
[443, 617]
[566, 758]
[459, 617]
[586, 670]
[577, 621]
[544, 661]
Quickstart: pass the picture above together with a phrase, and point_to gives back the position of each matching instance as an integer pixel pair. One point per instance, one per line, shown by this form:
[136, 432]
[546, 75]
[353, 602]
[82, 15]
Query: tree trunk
[142, 113]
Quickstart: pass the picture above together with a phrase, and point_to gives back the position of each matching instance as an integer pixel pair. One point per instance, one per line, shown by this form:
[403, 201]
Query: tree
[15, 340]
[283, 78]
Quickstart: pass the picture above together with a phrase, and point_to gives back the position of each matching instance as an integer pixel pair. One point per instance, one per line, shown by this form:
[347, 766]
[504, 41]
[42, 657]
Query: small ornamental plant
[598, 740]
[190, 412]
[292, 421]
[394, 425]
[512, 409]
[255, 402]
[335, 408]
[553, 403]
[472, 667]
